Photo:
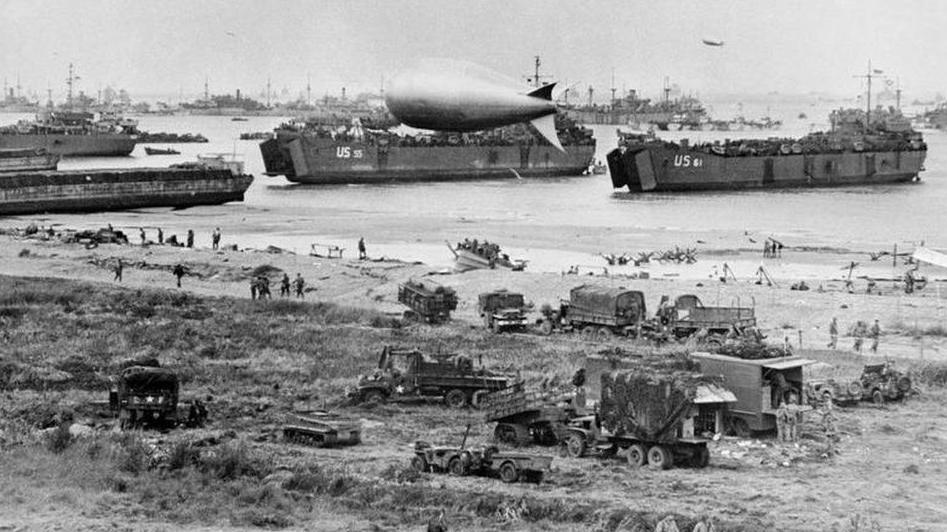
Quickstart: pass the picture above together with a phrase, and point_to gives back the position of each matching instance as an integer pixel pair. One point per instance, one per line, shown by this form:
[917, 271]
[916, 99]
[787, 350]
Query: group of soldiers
[260, 287]
[173, 239]
[859, 332]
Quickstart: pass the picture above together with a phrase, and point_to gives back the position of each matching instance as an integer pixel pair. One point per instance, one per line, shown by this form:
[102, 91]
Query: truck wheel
[826, 397]
[904, 384]
[575, 445]
[509, 473]
[419, 463]
[456, 398]
[855, 389]
[545, 327]
[636, 455]
[477, 399]
[375, 397]
[505, 433]
[701, 457]
[740, 428]
[604, 334]
[410, 315]
[659, 457]
[877, 397]
[456, 467]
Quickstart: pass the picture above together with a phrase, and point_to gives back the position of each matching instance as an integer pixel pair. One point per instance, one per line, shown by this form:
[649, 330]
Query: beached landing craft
[27, 160]
[844, 156]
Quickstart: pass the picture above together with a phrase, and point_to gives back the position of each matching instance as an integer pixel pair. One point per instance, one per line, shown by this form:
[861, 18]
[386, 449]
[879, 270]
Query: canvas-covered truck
[598, 312]
[145, 395]
[427, 301]
[407, 374]
[503, 310]
[760, 386]
[651, 418]
[688, 315]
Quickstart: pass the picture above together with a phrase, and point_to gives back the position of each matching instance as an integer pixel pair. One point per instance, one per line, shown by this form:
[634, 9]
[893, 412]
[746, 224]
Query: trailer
[760, 386]
[427, 301]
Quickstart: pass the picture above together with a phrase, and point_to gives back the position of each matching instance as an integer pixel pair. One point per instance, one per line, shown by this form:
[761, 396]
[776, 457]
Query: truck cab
[146, 395]
[502, 310]
[760, 386]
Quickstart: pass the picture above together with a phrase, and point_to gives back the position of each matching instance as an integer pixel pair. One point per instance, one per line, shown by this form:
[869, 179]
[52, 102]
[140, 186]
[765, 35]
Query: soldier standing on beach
[300, 284]
[178, 272]
[284, 286]
[859, 334]
[361, 249]
[118, 270]
[253, 285]
[215, 238]
[874, 334]
[833, 333]
[141, 233]
[160, 236]
[190, 238]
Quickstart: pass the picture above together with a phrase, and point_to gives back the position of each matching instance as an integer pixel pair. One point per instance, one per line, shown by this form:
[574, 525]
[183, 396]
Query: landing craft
[712, 42]
[459, 96]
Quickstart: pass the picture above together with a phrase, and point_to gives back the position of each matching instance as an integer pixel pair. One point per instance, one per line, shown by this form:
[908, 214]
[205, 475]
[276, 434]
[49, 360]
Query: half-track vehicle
[404, 374]
[322, 429]
[503, 310]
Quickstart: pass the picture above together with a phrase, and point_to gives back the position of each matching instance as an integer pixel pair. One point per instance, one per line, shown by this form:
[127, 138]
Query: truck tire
[877, 397]
[477, 398]
[588, 333]
[636, 455]
[855, 389]
[456, 398]
[375, 397]
[701, 457]
[545, 328]
[509, 473]
[456, 467]
[575, 445]
[904, 384]
[419, 464]
[604, 334]
[660, 458]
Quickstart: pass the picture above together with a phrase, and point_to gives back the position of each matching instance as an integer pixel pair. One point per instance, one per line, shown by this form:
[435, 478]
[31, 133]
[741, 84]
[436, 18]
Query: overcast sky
[165, 46]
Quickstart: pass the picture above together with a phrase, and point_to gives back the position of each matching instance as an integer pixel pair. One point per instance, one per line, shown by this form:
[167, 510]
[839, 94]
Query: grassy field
[259, 361]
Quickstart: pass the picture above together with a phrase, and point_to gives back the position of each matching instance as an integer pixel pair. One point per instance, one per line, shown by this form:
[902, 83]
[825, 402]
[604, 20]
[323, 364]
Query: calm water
[295, 216]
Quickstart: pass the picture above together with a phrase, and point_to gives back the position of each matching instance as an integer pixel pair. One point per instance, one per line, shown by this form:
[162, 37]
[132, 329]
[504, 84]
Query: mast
[613, 86]
[309, 90]
[591, 90]
[206, 91]
[868, 75]
[70, 81]
[897, 94]
[536, 74]
[667, 90]
[267, 92]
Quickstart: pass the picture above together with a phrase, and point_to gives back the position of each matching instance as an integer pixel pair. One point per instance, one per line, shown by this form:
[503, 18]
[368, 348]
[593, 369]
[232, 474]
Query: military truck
[651, 418]
[760, 386]
[881, 382]
[503, 310]
[404, 374]
[145, 395]
[598, 312]
[427, 301]
[529, 415]
[688, 315]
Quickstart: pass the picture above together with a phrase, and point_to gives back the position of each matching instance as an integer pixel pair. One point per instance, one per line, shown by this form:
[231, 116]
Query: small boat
[238, 119]
[471, 255]
[159, 151]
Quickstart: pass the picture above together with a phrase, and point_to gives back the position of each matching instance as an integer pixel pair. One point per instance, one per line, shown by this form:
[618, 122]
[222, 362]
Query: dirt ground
[884, 473]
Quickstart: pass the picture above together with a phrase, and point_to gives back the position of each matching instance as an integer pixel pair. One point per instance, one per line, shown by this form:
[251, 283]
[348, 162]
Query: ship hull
[104, 144]
[303, 159]
[118, 189]
[668, 170]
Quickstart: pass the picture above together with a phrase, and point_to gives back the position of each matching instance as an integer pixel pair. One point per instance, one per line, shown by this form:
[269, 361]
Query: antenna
[870, 74]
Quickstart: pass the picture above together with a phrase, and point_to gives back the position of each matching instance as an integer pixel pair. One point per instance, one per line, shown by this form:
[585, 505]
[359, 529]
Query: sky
[170, 46]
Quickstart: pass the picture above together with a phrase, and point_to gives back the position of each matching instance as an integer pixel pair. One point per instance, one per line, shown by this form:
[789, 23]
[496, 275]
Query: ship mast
[667, 90]
[868, 75]
[70, 81]
[613, 86]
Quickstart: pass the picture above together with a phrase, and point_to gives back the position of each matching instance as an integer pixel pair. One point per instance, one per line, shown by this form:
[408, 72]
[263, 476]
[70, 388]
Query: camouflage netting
[752, 350]
[646, 402]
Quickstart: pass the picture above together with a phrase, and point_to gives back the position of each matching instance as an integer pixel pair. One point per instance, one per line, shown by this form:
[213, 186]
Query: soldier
[178, 272]
[160, 236]
[833, 333]
[253, 288]
[875, 334]
[190, 238]
[284, 286]
[215, 238]
[141, 234]
[793, 419]
[361, 249]
[859, 334]
[264, 289]
[118, 270]
[300, 284]
[782, 422]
